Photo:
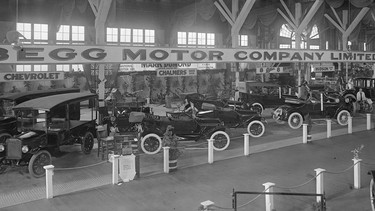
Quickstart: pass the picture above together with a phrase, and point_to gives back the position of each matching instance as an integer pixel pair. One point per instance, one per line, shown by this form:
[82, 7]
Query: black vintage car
[47, 123]
[186, 127]
[235, 118]
[294, 110]
[8, 125]
[199, 99]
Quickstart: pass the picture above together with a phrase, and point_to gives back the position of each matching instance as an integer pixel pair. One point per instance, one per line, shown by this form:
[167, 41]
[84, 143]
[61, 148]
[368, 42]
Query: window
[149, 36]
[25, 29]
[125, 35]
[69, 67]
[288, 38]
[314, 33]
[40, 67]
[63, 67]
[112, 35]
[243, 40]
[33, 32]
[194, 39]
[128, 36]
[70, 35]
[22, 68]
[40, 32]
[137, 36]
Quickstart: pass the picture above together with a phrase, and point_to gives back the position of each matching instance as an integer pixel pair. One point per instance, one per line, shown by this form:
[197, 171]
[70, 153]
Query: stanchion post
[329, 128]
[210, 150]
[319, 183]
[304, 133]
[115, 159]
[290, 91]
[368, 118]
[246, 144]
[357, 173]
[350, 125]
[268, 188]
[207, 204]
[49, 182]
[166, 159]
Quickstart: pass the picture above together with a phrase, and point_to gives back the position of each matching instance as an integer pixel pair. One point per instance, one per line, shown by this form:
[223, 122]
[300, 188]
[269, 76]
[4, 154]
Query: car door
[272, 99]
[314, 105]
[184, 124]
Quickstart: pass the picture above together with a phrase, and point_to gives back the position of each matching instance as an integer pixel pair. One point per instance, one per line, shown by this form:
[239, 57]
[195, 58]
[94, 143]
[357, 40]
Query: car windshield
[6, 108]
[31, 120]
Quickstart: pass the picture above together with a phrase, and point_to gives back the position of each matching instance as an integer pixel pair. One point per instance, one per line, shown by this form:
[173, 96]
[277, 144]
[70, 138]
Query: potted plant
[170, 140]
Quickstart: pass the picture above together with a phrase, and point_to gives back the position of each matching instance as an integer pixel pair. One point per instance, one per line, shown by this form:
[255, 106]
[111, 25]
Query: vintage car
[199, 99]
[318, 105]
[235, 118]
[47, 123]
[186, 127]
[259, 96]
[8, 125]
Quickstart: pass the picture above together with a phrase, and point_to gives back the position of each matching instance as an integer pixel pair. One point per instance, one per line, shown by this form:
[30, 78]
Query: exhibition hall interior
[187, 105]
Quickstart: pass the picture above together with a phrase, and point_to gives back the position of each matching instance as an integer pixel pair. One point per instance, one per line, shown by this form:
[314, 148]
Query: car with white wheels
[319, 105]
[236, 118]
[186, 127]
[44, 125]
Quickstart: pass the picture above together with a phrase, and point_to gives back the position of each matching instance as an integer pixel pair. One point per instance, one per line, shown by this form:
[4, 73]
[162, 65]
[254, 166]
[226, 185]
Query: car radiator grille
[13, 148]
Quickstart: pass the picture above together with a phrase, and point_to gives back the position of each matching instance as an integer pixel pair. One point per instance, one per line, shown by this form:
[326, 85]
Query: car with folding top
[319, 105]
[8, 123]
[47, 123]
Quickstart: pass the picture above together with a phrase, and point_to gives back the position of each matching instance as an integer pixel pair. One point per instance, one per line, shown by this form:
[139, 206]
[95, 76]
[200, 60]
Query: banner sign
[176, 72]
[78, 54]
[262, 70]
[320, 69]
[31, 76]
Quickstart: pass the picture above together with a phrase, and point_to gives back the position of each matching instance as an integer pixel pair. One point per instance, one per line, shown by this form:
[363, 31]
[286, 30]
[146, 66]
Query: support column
[166, 159]
[357, 173]
[368, 121]
[329, 130]
[350, 125]
[115, 172]
[268, 188]
[210, 150]
[319, 183]
[246, 144]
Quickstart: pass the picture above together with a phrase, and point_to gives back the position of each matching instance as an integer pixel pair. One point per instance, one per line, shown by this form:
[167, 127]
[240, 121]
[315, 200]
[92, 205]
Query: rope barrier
[368, 164]
[80, 167]
[340, 172]
[297, 186]
[253, 198]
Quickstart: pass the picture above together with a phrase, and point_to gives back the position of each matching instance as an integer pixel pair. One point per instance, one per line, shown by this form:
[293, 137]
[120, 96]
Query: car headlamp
[347, 100]
[2, 148]
[25, 149]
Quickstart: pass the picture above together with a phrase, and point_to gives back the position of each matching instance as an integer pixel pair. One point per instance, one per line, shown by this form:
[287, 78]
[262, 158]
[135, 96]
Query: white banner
[31, 76]
[176, 72]
[262, 70]
[78, 54]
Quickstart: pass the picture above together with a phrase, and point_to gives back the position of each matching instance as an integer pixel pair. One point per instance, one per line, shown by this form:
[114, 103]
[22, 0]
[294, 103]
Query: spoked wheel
[372, 194]
[256, 128]
[151, 143]
[343, 117]
[87, 143]
[37, 161]
[221, 140]
[257, 107]
[295, 120]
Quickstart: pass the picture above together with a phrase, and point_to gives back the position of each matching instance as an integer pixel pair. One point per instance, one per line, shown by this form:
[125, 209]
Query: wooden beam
[337, 17]
[357, 20]
[345, 19]
[334, 23]
[314, 8]
[94, 4]
[222, 11]
[234, 8]
[287, 19]
[226, 9]
[292, 18]
[103, 11]
[243, 14]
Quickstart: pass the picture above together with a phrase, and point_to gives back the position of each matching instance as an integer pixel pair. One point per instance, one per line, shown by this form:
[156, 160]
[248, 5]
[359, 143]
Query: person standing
[361, 98]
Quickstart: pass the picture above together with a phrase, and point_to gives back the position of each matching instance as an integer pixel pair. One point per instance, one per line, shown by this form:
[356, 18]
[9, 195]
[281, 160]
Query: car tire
[4, 136]
[220, 144]
[257, 107]
[37, 162]
[259, 132]
[343, 117]
[295, 120]
[151, 143]
[87, 143]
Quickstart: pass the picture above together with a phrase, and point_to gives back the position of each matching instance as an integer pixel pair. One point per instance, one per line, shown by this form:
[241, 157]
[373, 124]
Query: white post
[321, 101]
[329, 128]
[115, 159]
[290, 91]
[246, 144]
[319, 183]
[350, 125]
[279, 92]
[148, 100]
[210, 150]
[357, 173]
[368, 117]
[49, 183]
[207, 204]
[304, 133]
[268, 188]
[166, 159]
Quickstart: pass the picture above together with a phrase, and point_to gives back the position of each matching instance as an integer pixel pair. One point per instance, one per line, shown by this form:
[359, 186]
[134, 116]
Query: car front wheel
[257, 107]
[343, 117]
[295, 120]
[256, 129]
[151, 143]
[221, 140]
[38, 161]
[87, 143]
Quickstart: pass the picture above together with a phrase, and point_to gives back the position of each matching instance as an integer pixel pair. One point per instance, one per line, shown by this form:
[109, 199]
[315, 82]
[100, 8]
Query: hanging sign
[127, 167]
[262, 70]
[175, 72]
[320, 69]
[31, 76]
